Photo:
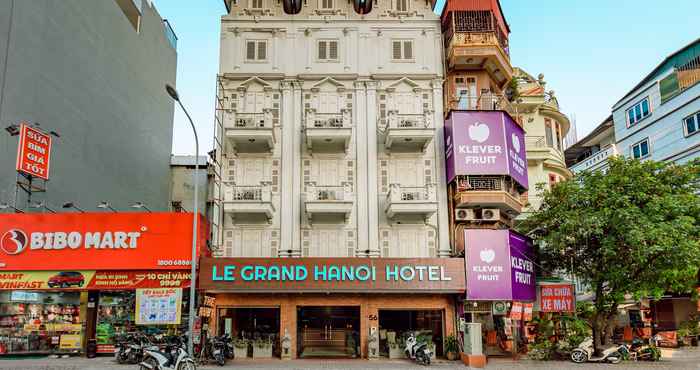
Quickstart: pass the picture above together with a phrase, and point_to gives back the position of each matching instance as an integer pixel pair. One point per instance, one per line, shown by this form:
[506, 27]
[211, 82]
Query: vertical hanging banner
[33, 152]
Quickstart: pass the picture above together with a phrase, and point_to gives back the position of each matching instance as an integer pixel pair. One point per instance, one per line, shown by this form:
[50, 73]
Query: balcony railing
[399, 194]
[248, 193]
[395, 120]
[252, 120]
[328, 193]
[485, 101]
[328, 120]
[535, 142]
[487, 183]
[595, 160]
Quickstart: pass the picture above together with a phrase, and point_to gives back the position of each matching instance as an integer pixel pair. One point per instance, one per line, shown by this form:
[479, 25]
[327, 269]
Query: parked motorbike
[645, 350]
[228, 348]
[417, 351]
[129, 348]
[585, 353]
[216, 348]
[173, 356]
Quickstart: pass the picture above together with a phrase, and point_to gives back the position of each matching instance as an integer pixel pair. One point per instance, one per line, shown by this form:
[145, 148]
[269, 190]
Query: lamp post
[40, 205]
[6, 206]
[195, 213]
[139, 205]
[106, 205]
[69, 205]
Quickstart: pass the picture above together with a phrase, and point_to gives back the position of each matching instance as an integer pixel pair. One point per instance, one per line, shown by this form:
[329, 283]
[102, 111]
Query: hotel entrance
[328, 331]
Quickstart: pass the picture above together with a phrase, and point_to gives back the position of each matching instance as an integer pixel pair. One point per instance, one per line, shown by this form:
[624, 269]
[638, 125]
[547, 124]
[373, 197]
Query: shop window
[394, 325]
[40, 322]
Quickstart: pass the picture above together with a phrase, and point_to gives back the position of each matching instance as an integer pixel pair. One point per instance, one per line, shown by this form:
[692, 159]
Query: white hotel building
[329, 137]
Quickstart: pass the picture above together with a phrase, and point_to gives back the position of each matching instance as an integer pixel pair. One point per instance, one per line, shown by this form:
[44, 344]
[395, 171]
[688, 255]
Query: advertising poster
[485, 143]
[33, 152]
[557, 298]
[516, 311]
[70, 280]
[527, 311]
[70, 341]
[161, 306]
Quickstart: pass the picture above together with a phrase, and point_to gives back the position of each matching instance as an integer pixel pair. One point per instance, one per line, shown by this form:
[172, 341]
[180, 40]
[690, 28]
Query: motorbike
[216, 348]
[645, 350]
[417, 351]
[585, 353]
[228, 348]
[173, 356]
[129, 349]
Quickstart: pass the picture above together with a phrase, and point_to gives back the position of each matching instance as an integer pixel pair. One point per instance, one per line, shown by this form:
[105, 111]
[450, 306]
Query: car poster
[160, 306]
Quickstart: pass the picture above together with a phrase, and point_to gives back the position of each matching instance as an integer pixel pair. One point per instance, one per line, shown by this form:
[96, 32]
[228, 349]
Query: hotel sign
[367, 275]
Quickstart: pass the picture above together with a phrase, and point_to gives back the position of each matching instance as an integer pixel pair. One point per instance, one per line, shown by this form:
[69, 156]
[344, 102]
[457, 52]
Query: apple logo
[479, 132]
[487, 255]
[516, 142]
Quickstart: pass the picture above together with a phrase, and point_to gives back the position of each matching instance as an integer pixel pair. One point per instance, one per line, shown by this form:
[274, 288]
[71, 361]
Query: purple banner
[499, 265]
[485, 143]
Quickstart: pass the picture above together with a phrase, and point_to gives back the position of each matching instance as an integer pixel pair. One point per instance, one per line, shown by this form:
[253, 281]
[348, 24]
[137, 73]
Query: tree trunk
[597, 331]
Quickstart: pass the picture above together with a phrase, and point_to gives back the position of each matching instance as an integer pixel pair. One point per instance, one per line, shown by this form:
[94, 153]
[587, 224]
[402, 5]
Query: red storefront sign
[557, 298]
[33, 152]
[527, 311]
[139, 279]
[97, 241]
[516, 311]
[90, 279]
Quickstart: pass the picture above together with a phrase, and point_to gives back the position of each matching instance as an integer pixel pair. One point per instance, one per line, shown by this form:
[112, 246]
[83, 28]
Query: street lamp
[193, 272]
[68, 205]
[6, 206]
[105, 205]
[140, 205]
[40, 205]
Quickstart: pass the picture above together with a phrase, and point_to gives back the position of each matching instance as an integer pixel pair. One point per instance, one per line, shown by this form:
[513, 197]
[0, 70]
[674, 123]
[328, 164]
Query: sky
[591, 52]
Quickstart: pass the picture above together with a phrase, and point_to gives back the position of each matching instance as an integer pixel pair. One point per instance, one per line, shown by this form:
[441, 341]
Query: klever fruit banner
[92, 241]
[484, 143]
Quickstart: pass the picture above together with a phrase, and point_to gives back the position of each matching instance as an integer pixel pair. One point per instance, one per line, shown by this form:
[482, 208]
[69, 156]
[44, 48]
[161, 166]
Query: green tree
[633, 230]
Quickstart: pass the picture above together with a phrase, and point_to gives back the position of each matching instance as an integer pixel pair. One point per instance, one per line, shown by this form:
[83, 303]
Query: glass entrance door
[328, 331]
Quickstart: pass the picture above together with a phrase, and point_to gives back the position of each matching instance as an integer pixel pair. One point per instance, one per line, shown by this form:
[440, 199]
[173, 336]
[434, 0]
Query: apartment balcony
[419, 202]
[488, 192]
[329, 204]
[597, 161]
[328, 132]
[249, 204]
[408, 132]
[249, 132]
[539, 151]
[485, 101]
[479, 51]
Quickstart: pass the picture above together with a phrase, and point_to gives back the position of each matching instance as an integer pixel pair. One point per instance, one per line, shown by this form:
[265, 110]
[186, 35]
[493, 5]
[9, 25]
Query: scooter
[417, 351]
[645, 350]
[174, 356]
[585, 353]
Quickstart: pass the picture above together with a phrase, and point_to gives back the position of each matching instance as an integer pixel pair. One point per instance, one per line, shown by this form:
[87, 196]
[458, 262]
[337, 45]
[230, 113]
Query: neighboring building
[94, 72]
[545, 128]
[329, 143]
[592, 152]
[487, 169]
[659, 118]
[181, 186]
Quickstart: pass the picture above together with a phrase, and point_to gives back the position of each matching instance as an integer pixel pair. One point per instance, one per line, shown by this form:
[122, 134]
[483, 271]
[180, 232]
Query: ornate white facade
[330, 132]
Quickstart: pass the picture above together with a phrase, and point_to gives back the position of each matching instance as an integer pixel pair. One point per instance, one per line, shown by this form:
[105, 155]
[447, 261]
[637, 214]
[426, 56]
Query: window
[402, 50]
[549, 135]
[691, 124]
[328, 50]
[256, 4]
[669, 87]
[402, 5]
[326, 4]
[558, 136]
[256, 50]
[638, 112]
[641, 149]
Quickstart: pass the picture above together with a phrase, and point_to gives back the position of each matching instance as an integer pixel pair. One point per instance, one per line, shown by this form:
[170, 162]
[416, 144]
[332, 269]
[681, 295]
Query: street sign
[33, 152]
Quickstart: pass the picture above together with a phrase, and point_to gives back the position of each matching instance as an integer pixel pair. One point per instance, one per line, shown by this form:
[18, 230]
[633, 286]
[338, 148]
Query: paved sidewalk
[672, 359]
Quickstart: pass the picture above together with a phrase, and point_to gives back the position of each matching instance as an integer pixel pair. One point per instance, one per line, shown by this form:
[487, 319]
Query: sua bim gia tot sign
[33, 152]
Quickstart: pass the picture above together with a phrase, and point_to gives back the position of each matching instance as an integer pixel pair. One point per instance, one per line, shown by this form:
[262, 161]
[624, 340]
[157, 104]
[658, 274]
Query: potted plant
[396, 349]
[451, 348]
[262, 348]
[240, 348]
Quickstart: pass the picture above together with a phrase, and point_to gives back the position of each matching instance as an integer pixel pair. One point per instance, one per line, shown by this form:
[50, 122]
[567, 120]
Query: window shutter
[397, 49]
[250, 50]
[321, 50]
[262, 50]
[327, 4]
[257, 4]
[333, 50]
[401, 5]
[408, 49]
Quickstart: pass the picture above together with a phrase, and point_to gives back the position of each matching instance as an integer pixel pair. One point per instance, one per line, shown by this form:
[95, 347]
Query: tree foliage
[633, 230]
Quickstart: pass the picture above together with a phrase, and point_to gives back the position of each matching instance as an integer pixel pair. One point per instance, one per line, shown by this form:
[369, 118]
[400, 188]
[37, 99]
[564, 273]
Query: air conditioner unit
[462, 214]
[490, 214]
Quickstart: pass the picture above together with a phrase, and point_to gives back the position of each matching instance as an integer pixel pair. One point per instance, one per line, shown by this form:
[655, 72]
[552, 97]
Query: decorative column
[297, 143]
[287, 169]
[359, 117]
[444, 249]
[372, 187]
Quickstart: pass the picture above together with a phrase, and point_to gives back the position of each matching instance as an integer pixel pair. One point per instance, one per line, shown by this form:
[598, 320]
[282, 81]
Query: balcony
[597, 161]
[329, 204]
[485, 101]
[488, 192]
[408, 132]
[249, 204]
[250, 132]
[408, 202]
[328, 132]
[538, 150]
[479, 51]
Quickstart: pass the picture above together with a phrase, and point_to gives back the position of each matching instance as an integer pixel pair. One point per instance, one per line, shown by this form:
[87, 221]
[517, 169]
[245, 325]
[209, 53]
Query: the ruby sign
[557, 298]
[33, 152]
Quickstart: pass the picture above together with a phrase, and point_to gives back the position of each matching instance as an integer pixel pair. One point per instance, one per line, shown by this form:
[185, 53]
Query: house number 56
[372, 317]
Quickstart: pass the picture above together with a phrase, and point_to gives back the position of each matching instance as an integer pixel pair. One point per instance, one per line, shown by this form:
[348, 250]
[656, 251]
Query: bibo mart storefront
[331, 307]
[68, 279]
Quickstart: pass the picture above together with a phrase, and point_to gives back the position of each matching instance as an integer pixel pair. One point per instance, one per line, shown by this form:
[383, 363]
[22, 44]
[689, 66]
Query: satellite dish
[292, 6]
[362, 6]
